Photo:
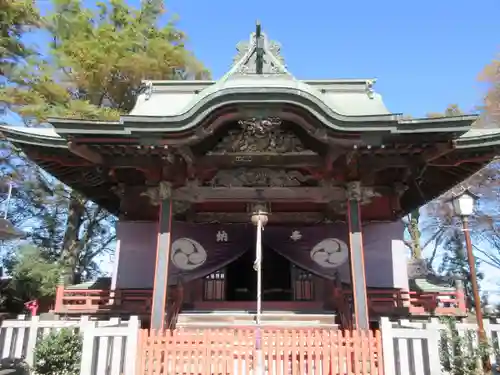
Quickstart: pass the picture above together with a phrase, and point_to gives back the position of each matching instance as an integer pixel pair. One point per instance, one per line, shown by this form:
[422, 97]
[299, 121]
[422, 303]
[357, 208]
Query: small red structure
[32, 307]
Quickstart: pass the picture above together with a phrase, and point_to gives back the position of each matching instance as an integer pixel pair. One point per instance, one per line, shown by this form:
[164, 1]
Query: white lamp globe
[463, 204]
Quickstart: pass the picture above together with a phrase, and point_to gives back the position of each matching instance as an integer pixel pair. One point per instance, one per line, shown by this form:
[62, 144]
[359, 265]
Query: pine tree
[455, 264]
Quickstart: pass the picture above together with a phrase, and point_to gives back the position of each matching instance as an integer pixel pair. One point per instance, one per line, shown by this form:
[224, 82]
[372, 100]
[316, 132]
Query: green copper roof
[48, 137]
[102, 283]
[257, 82]
[424, 285]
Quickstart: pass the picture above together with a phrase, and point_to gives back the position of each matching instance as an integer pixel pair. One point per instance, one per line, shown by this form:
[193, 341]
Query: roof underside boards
[51, 152]
[49, 137]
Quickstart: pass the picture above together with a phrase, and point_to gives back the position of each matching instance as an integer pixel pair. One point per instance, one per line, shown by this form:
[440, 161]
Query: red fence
[242, 351]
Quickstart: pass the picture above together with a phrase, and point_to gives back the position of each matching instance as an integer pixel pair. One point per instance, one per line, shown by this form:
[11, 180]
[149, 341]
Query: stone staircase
[213, 319]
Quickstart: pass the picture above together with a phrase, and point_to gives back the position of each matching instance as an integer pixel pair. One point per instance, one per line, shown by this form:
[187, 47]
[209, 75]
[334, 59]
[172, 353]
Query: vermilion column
[356, 256]
[162, 261]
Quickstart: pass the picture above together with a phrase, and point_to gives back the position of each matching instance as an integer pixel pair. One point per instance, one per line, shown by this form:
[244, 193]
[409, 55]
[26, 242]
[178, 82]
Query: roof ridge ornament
[258, 56]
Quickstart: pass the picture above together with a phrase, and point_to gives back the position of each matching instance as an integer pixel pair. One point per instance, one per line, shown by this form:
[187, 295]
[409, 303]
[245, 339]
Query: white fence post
[103, 351]
[413, 348]
[88, 349]
[32, 337]
[132, 346]
[433, 330]
[387, 346]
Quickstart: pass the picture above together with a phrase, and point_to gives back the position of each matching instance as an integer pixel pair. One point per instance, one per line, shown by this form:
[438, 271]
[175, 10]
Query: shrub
[59, 353]
[459, 354]
[14, 366]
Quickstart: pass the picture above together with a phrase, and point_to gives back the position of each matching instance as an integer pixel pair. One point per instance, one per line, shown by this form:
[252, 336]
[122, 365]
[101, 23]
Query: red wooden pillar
[356, 256]
[158, 309]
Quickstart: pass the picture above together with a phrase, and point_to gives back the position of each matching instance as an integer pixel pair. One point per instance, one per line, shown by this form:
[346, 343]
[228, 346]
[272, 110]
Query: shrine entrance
[241, 278]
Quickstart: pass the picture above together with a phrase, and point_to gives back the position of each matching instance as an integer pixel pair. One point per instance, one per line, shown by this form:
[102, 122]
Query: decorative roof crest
[258, 56]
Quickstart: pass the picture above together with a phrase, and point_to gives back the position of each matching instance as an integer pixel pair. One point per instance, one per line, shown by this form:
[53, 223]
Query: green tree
[491, 76]
[16, 17]
[455, 264]
[95, 68]
[436, 227]
[34, 276]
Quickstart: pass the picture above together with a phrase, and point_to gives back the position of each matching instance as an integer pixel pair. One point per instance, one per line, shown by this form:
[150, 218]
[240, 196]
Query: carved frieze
[258, 177]
[180, 206]
[244, 217]
[259, 135]
[158, 193]
[363, 194]
[354, 190]
[162, 191]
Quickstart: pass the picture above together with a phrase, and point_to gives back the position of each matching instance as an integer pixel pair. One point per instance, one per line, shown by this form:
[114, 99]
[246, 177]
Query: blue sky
[425, 54]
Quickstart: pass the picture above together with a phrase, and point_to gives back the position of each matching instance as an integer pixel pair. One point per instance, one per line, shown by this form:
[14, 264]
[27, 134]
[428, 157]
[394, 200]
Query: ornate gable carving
[259, 177]
[259, 135]
[259, 47]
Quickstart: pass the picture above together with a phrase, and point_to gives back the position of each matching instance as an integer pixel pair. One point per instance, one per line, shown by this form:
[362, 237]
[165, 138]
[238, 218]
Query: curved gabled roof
[344, 116]
[346, 98]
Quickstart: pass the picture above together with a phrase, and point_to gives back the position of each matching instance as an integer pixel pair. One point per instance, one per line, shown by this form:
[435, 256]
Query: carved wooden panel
[259, 135]
[261, 177]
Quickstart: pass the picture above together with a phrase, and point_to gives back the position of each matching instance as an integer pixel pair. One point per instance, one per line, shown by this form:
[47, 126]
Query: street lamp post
[259, 219]
[463, 206]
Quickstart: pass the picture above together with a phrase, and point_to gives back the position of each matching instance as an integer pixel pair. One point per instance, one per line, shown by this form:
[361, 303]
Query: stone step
[247, 324]
[244, 318]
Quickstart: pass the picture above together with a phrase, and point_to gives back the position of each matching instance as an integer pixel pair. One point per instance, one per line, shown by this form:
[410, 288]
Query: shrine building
[328, 167]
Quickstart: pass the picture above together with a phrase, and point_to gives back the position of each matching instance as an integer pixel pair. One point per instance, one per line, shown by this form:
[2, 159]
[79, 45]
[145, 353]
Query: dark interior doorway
[241, 278]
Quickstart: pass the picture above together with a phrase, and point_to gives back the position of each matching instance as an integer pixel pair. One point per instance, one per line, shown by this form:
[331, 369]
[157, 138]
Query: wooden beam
[439, 150]
[257, 194]
[334, 153]
[263, 159]
[244, 217]
[85, 152]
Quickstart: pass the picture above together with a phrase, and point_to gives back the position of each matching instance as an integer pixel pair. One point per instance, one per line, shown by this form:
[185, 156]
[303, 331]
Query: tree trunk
[414, 231]
[71, 243]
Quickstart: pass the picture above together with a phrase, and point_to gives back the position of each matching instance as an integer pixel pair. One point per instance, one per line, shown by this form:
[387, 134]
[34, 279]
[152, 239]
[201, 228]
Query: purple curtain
[319, 249]
[200, 249]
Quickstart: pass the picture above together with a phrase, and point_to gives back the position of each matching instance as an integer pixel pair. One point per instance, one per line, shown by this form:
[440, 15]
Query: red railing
[138, 301]
[391, 301]
[134, 301]
[244, 350]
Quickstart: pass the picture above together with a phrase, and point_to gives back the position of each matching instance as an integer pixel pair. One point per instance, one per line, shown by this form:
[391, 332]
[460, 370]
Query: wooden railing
[391, 301]
[138, 301]
[246, 350]
[84, 301]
